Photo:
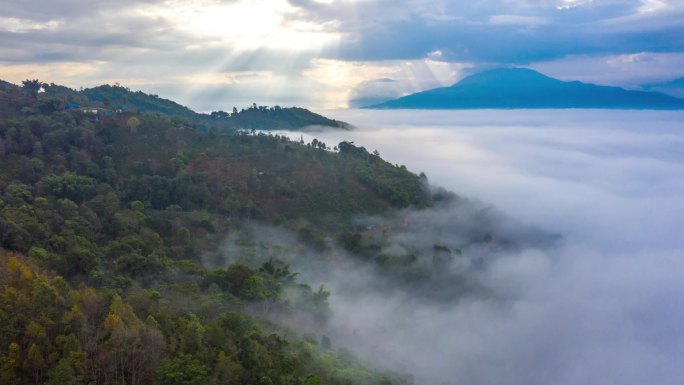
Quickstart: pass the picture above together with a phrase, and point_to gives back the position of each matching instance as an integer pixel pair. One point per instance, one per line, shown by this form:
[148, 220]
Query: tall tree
[32, 86]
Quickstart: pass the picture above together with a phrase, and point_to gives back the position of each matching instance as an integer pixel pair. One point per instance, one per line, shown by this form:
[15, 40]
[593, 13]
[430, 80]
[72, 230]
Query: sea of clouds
[602, 305]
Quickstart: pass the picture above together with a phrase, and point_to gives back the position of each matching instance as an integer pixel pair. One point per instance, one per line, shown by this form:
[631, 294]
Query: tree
[63, 374]
[233, 278]
[192, 336]
[9, 365]
[133, 124]
[183, 370]
[227, 370]
[35, 363]
[69, 185]
[219, 114]
[260, 288]
[319, 300]
[132, 348]
[312, 380]
[32, 86]
[278, 270]
[48, 105]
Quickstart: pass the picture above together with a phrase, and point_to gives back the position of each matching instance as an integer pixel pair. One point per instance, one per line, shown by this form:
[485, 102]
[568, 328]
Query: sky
[602, 305]
[214, 54]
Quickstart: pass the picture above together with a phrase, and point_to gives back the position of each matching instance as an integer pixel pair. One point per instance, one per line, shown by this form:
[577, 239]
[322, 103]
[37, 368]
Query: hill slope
[115, 98]
[525, 88]
[673, 87]
[138, 247]
[107, 220]
[137, 100]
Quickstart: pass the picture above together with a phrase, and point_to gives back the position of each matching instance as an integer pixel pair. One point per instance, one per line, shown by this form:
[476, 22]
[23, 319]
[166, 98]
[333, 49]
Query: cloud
[14, 25]
[129, 40]
[373, 92]
[466, 32]
[516, 20]
[387, 30]
[599, 306]
[359, 83]
[630, 70]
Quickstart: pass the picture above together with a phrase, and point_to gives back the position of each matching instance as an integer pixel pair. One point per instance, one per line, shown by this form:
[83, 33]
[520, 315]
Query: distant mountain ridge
[119, 98]
[510, 88]
[115, 94]
[254, 117]
[674, 87]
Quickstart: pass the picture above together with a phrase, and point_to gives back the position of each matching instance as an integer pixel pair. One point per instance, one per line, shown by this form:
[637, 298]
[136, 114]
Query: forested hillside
[108, 100]
[106, 217]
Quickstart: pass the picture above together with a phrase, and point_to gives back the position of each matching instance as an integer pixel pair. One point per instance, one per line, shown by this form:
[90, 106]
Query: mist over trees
[108, 218]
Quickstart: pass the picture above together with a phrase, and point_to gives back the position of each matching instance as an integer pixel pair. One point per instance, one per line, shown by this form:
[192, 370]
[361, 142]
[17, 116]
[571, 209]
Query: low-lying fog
[603, 306]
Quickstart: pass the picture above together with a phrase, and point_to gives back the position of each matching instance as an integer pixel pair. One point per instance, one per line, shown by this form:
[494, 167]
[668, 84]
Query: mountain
[266, 118]
[141, 248]
[7, 86]
[525, 88]
[132, 246]
[118, 98]
[138, 100]
[673, 87]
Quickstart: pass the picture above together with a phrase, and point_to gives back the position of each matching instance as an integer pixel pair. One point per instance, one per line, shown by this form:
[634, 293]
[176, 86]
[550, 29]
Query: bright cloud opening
[247, 24]
[13, 24]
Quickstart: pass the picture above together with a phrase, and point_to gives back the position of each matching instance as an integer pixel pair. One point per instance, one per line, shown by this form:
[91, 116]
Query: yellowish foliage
[112, 322]
[35, 330]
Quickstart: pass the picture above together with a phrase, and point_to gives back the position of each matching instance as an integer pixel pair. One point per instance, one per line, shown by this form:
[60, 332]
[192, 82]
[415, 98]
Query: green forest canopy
[105, 217]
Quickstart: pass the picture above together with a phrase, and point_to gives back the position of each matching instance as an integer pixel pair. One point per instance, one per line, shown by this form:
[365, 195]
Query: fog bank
[605, 305]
